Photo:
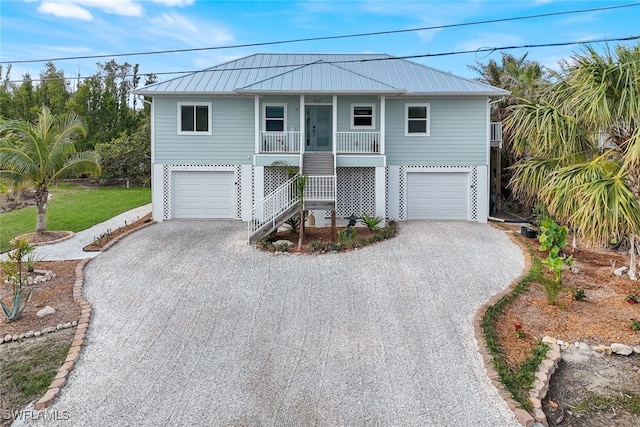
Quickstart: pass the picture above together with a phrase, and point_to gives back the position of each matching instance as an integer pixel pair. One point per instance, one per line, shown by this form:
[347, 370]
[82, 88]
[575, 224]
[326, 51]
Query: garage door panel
[203, 194]
[437, 195]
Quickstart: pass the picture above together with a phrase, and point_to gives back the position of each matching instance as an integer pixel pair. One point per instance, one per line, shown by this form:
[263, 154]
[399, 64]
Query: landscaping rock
[46, 311]
[620, 271]
[621, 349]
[602, 349]
[549, 339]
[7, 338]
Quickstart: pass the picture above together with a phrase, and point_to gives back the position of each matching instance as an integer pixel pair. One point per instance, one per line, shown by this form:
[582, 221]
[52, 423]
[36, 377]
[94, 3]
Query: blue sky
[44, 29]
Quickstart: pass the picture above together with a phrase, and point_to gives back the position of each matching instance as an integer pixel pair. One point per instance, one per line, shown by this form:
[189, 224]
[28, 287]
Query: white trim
[194, 104]
[264, 114]
[383, 124]
[373, 115]
[406, 118]
[256, 123]
[334, 129]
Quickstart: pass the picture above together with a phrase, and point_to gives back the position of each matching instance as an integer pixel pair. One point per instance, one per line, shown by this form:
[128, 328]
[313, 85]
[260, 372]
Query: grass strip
[519, 380]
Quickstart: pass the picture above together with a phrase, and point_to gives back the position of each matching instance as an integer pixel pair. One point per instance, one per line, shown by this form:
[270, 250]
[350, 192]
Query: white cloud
[79, 9]
[189, 31]
[172, 3]
[65, 10]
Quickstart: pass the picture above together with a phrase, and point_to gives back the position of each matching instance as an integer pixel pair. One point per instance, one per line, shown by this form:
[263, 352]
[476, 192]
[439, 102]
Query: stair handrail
[268, 209]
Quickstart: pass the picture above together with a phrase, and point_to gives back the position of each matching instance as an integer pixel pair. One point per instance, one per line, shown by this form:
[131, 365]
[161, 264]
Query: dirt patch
[592, 390]
[57, 293]
[313, 234]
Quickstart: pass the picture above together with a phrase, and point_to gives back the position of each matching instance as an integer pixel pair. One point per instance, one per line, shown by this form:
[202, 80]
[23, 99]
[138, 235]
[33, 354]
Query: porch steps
[318, 163]
[273, 225]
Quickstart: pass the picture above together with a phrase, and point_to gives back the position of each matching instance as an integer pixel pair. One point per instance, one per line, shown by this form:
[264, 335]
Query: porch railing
[267, 211]
[320, 188]
[358, 142]
[280, 142]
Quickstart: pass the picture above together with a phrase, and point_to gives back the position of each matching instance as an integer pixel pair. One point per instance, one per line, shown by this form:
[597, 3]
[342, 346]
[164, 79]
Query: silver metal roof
[321, 73]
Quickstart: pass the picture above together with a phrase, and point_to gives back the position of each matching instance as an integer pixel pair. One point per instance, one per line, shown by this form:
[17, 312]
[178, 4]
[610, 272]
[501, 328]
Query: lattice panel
[473, 193]
[386, 192]
[167, 171]
[274, 177]
[356, 191]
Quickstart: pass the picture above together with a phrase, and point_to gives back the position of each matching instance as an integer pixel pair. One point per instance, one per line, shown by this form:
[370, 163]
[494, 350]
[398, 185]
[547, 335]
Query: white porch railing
[320, 188]
[267, 210]
[280, 142]
[358, 142]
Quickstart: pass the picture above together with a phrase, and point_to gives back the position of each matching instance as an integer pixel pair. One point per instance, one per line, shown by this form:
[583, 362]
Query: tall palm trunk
[42, 195]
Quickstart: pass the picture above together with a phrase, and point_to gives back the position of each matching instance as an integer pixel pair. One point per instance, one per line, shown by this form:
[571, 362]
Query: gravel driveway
[191, 326]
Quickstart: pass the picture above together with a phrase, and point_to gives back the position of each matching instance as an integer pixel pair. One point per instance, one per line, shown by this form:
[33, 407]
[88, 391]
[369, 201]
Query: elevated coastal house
[373, 134]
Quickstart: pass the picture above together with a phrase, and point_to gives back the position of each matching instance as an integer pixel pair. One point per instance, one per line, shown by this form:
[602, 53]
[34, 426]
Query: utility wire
[377, 33]
[385, 58]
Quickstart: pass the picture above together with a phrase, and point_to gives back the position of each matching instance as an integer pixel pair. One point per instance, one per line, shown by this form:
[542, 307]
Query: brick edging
[76, 345]
[523, 417]
[126, 233]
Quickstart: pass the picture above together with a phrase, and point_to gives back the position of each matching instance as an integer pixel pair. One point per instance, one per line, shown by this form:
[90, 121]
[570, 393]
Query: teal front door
[318, 127]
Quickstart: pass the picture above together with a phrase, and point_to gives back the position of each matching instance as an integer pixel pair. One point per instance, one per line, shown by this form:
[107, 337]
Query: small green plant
[281, 247]
[13, 270]
[635, 325]
[578, 294]
[346, 235]
[632, 298]
[371, 222]
[553, 238]
[519, 331]
[294, 223]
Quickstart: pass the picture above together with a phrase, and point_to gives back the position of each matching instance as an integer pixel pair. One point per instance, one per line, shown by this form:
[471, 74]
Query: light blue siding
[232, 140]
[344, 112]
[293, 110]
[458, 133]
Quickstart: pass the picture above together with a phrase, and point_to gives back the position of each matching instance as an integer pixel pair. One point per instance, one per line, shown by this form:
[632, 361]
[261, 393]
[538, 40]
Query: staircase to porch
[276, 208]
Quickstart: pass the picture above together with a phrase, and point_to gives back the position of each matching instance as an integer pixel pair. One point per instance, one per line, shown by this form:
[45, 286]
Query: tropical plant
[371, 222]
[553, 238]
[14, 274]
[42, 152]
[294, 223]
[301, 183]
[579, 140]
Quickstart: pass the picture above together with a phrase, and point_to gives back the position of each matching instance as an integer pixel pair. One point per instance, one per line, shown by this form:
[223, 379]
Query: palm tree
[42, 152]
[581, 147]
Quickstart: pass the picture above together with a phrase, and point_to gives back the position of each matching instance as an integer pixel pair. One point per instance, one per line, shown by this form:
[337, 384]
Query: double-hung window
[417, 120]
[362, 116]
[275, 117]
[194, 118]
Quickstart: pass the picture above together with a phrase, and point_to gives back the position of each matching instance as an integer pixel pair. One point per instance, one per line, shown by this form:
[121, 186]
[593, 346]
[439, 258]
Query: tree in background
[42, 152]
[579, 144]
[524, 79]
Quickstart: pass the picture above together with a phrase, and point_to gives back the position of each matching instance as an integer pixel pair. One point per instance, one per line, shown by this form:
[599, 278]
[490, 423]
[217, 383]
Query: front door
[318, 127]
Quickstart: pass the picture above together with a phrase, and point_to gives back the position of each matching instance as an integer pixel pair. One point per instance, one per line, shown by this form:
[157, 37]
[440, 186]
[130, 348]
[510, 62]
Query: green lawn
[73, 208]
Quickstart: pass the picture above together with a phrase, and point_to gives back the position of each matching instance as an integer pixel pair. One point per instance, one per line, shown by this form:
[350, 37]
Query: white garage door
[199, 194]
[438, 195]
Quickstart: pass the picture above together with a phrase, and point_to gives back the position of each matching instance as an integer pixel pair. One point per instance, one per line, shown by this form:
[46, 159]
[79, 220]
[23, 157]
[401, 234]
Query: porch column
[258, 183]
[303, 131]
[256, 115]
[334, 124]
[381, 196]
[383, 120]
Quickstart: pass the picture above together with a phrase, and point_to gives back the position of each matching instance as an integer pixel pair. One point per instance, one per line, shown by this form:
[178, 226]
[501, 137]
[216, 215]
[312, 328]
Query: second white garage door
[438, 195]
[203, 194]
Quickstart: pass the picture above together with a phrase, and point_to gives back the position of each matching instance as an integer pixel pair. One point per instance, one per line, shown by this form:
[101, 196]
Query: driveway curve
[191, 326]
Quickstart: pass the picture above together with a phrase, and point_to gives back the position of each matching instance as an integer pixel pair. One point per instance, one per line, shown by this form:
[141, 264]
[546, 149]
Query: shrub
[372, 223]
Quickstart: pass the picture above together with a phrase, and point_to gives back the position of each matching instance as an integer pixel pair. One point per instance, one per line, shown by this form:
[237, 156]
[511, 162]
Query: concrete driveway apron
[191, 326]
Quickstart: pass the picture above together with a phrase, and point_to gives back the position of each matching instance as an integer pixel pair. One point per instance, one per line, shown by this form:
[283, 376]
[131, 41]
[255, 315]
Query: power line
[426, 55]
[377, 33]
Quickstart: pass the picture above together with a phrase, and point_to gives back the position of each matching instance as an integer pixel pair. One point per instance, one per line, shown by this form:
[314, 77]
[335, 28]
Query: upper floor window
[362, 116]
[275, 117]
[417, 119]
[194, 118]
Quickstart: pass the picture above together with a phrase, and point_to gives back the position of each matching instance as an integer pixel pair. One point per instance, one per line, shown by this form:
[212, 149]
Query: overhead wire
[322, 38]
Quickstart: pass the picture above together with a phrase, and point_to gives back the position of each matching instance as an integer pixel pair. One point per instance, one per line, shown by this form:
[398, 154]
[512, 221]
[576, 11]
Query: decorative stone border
[69, 235]
[35, 334]
[78, 340]
[120, 236]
